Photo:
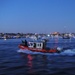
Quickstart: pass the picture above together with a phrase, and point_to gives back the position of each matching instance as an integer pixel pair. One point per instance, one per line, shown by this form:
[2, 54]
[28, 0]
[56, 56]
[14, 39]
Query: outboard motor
[59, 49]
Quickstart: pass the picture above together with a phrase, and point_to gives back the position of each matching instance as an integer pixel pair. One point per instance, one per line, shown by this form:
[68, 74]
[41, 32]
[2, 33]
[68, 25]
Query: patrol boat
[38, 47]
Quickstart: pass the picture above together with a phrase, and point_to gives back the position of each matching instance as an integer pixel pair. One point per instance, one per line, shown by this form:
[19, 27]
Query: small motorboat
[38, 47]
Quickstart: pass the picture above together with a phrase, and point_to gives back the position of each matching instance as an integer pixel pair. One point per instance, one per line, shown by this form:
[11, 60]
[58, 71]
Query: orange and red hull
[38, 50]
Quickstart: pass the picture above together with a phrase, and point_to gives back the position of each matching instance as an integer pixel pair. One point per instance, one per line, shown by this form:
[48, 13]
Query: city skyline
[37, 16]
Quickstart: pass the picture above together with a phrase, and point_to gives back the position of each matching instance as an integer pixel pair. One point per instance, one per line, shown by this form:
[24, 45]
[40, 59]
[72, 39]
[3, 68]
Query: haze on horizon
[37, 16]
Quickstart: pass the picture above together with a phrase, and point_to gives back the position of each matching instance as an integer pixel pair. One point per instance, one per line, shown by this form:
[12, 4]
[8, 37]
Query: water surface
[13, 62]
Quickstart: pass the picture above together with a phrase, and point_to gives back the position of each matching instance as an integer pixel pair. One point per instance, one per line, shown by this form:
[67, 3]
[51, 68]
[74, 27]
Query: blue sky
[37, 16]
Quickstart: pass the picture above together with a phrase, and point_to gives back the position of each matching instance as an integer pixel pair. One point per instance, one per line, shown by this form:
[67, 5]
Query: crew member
[25, 43]
[44, 43]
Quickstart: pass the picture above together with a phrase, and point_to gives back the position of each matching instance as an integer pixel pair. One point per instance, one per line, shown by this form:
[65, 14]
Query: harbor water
[14, 61]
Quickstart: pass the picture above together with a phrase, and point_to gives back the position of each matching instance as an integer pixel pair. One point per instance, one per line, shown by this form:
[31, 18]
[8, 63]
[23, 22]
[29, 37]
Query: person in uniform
[44, 43]
[25, 43]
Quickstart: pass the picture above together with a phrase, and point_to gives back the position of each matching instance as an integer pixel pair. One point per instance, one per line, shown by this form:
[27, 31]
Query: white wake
[69, 52]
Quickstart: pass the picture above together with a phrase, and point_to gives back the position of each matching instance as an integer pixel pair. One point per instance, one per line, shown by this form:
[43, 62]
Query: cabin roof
[35, 41]
[40, 41]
